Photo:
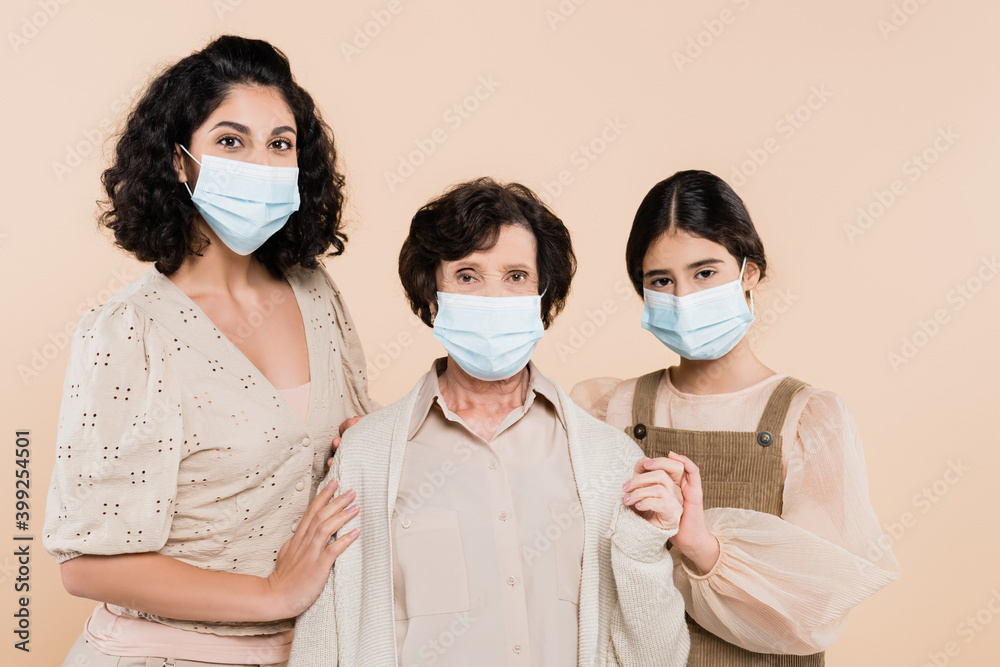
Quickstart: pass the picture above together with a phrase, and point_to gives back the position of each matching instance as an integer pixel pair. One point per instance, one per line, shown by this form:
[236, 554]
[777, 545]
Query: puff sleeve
[119, 439]
[786, 585]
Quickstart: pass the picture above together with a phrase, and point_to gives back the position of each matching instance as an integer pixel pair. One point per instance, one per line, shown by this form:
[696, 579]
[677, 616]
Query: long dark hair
[150, 211]
[701, 204]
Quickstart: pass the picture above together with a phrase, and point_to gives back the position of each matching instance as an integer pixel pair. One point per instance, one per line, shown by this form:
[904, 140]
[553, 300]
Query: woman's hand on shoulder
[304, 561]
[344, 425]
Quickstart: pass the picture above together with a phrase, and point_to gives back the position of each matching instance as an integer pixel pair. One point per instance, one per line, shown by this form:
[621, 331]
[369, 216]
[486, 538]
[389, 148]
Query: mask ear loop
[186, 187]
[741, 282]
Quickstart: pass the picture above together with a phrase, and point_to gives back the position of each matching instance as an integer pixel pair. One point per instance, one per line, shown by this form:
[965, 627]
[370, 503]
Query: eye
[518, 276]
[466, 277]
[282, 144]
[229, 141]
[705, 274]
[661, 282]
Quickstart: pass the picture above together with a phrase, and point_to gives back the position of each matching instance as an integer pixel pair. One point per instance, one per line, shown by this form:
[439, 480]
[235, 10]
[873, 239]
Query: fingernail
[627, 497]
[625, 486]
[354, 533]
[349, 494]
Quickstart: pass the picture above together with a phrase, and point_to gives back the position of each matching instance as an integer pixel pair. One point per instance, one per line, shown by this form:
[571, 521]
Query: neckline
[295, 388]
[777, 377]
[291, 278]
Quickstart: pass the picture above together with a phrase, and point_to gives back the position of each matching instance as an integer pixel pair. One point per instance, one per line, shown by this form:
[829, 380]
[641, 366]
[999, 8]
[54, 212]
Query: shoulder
[318, 280]
[602, 443]
[377, 428]
[127, 316]
[821, 406]
[594, 394]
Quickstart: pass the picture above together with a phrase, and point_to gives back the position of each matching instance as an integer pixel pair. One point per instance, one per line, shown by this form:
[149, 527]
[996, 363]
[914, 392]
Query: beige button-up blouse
[170, 439]
[781, 585]
[487, 536]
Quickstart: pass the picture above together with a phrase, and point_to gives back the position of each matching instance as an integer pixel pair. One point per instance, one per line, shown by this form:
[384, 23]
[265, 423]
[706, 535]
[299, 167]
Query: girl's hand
[653, 491]
[304, 561]
[344, 425]
[693, 537]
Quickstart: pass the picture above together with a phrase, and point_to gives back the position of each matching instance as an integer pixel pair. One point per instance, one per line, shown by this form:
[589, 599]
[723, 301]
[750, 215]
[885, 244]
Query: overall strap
[773, 418]
[644, 401]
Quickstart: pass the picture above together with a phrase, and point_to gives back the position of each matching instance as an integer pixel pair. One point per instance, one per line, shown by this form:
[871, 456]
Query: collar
[430, 393]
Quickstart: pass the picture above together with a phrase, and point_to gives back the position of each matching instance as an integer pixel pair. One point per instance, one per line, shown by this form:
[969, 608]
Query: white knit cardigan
[630, 613]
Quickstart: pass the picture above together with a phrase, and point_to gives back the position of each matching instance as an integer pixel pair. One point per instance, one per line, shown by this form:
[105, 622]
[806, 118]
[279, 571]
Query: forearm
[777, 588]
[650, 627]
[703, 554]
[164, 586]
[315, 643]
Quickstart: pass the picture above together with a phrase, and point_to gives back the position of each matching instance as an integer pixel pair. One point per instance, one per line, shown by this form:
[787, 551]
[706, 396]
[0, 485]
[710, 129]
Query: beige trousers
[82, 654]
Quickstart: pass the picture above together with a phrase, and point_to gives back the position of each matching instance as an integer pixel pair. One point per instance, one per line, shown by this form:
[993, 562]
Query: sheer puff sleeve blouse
[781, 585]
[170, 440]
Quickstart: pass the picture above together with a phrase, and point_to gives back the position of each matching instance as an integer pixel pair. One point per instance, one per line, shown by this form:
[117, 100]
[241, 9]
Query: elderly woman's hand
[654, 491]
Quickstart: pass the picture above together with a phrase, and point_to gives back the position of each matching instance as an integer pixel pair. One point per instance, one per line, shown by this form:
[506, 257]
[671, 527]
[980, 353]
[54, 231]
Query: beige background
[839, 301]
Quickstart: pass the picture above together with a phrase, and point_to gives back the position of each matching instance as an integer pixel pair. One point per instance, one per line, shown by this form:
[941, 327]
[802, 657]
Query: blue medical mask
[701, 325]
[244, 203]
[490, 337]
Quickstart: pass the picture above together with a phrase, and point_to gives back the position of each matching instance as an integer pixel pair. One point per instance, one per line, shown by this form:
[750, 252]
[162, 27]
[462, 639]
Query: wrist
[268, 596]
[703, 552]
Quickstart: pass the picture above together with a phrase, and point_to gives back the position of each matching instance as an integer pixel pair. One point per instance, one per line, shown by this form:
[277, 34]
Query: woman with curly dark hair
[201, 401]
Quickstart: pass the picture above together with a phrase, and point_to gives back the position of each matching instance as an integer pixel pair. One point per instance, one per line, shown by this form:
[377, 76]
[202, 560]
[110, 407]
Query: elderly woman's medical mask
[491, 338]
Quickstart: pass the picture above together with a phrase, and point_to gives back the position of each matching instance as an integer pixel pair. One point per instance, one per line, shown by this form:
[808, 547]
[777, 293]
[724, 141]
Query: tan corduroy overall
[738, 469]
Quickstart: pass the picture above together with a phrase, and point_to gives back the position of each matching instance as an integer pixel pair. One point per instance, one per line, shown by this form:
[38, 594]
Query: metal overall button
[764, 438]
[639, 431]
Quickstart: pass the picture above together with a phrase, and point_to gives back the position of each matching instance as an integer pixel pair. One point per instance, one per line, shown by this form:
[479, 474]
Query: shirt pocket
[566, 530]
[429, 565]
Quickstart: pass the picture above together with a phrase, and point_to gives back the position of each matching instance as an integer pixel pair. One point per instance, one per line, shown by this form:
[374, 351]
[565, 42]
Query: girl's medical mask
[700, 325]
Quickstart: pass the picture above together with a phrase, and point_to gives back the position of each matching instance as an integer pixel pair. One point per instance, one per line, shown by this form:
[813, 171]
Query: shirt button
[517, 648]
[305, 442]
[299, 485]
[493, 464]
[406, 523]
[511, 580]
[502, 516]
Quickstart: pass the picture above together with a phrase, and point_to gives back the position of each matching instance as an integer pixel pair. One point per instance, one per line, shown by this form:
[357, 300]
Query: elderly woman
[500, 524]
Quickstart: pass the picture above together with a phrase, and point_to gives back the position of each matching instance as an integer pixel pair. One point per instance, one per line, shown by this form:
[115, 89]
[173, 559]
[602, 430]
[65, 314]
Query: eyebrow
[477, 266]
[656, 273]
[239, 127]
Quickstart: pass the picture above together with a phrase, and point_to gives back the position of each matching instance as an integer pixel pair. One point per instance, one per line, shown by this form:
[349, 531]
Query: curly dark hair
[701, 204]
[467, 219]
[150, 211]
